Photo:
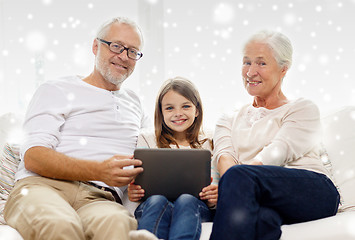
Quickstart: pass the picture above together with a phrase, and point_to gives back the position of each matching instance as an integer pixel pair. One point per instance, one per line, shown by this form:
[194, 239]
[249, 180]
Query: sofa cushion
[8, 166]
[339, 227]
[9, 233]
[339, 141]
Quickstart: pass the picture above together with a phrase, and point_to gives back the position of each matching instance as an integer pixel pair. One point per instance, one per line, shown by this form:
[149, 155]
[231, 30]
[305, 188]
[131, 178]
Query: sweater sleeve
[146, 139]
[300, 131]
[222, 139]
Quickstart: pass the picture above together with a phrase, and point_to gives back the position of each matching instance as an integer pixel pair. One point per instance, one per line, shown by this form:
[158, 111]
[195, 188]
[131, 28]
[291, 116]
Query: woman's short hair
[102, 31]
[279, 44]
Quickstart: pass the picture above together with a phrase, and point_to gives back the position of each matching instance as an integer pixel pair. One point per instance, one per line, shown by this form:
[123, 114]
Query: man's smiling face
[116, 67]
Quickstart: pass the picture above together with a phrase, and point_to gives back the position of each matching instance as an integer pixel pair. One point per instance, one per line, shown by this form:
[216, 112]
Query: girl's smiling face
[179, 113]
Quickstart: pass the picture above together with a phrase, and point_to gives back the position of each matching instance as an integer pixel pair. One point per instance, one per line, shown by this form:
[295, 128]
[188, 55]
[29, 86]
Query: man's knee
[121, 215]
[107, 214]
[125, 220]
[48, 227]
[61, 227]
[108, 224]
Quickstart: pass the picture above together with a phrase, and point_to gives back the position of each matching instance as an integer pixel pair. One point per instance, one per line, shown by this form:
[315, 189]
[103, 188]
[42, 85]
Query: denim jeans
[254, 201]
[179, 220]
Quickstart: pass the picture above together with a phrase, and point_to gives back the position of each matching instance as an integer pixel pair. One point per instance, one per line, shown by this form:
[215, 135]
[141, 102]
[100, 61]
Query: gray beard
[107, 74]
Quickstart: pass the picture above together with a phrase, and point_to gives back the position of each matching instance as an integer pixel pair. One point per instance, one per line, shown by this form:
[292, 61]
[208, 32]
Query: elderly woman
[267, 153]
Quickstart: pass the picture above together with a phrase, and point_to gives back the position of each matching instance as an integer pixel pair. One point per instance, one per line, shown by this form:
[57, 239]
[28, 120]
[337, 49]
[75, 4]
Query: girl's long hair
[164, 135]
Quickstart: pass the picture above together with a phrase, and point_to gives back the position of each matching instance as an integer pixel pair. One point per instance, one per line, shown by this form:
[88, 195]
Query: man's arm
[49, 163]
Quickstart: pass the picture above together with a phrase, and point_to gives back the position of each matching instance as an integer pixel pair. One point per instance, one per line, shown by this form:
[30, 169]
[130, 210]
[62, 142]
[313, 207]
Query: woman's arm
[224, 155]
[299, 133]
[224, 163]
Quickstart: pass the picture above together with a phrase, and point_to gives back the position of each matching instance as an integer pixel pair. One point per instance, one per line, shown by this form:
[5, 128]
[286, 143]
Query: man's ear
[95, 46]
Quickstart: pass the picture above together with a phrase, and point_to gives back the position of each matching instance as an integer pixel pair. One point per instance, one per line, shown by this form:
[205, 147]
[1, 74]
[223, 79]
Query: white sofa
[339, 141]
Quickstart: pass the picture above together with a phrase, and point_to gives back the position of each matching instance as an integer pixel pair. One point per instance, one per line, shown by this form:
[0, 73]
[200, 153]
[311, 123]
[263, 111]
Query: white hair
[279, 44]
[101, 33]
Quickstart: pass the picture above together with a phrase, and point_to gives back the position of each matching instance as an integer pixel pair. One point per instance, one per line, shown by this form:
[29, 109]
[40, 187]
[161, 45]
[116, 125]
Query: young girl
[178, 122]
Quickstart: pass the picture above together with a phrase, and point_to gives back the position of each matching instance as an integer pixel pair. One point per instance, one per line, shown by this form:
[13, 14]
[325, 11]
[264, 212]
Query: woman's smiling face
[262, 76]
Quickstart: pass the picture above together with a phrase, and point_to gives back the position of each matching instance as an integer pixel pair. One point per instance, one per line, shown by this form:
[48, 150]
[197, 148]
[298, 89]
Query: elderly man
[81, 133]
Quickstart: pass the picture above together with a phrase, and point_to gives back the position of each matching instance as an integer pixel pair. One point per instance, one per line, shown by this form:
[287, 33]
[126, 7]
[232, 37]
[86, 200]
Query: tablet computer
[172, 172]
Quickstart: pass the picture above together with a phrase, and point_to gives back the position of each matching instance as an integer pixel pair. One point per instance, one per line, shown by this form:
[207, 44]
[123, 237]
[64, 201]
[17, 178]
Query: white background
[198, 39]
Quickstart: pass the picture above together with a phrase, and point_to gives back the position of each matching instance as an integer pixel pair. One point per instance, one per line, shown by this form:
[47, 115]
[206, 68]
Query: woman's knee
[239, 178]
[239, 172]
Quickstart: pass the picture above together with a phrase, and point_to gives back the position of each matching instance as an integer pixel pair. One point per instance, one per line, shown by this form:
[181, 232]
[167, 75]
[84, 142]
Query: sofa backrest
[338, 138]
[10, 134]
[339, 141]
[10, 128]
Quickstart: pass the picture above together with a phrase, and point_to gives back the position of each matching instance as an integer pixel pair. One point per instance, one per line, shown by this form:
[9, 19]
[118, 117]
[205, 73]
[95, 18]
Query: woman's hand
[210, 194]
[135, 192]
[256, 162]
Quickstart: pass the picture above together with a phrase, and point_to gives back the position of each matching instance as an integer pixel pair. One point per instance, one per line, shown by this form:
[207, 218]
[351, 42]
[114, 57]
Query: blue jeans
[254, 201]
[179, 220]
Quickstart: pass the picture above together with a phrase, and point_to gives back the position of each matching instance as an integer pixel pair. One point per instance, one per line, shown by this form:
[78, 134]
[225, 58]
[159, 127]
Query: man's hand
[135, 192]
[210, 193]
[113, 174]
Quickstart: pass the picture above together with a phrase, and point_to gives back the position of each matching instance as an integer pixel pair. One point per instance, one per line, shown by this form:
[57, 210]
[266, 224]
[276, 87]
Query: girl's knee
[185, 200]
[156, 200]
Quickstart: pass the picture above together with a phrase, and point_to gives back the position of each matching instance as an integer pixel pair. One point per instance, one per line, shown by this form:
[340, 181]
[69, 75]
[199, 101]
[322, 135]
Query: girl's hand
[210, 193]
[135, 192]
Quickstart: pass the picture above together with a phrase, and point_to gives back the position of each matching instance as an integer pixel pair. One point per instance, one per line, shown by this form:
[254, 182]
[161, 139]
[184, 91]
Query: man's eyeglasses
[119, 48]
